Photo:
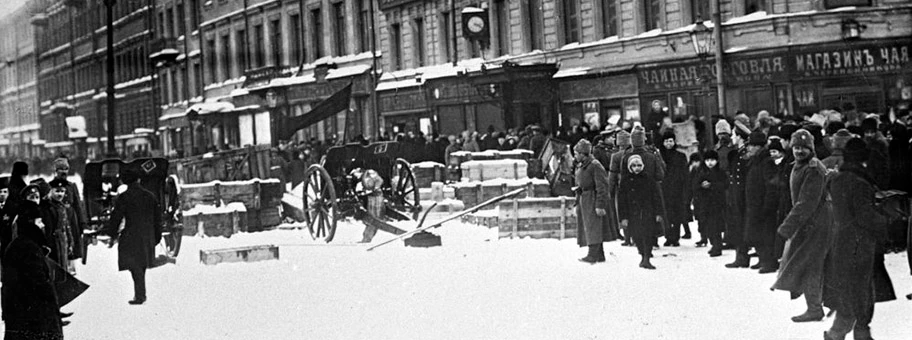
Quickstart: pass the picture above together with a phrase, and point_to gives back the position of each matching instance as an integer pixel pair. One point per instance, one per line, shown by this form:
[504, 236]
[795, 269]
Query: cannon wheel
[405, 194]
[174, 230]
[319, 203]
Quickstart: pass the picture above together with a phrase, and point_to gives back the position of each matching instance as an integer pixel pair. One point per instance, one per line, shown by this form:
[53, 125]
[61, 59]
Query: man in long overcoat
[592, 195]
[139, 210]
[675, 189]
[807, 228]
[74, 200]
[30, 308]
[855, 274]
[614, 178]
[761, 202]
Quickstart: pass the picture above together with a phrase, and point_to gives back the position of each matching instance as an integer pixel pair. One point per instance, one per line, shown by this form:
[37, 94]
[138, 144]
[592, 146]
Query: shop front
[598, 98]
[405, 109]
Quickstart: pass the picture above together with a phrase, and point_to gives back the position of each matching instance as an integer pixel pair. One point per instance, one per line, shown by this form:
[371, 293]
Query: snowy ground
[473, 287]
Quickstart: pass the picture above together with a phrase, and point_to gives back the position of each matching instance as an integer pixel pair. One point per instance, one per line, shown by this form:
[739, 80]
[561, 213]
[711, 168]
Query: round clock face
[476, 24]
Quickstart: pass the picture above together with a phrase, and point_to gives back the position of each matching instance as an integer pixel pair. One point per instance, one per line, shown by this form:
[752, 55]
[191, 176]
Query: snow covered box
[427, 173]
[242, 254]
[472, 193]
[538, 217]
[494, 169]
[261, 198]
[209, 220]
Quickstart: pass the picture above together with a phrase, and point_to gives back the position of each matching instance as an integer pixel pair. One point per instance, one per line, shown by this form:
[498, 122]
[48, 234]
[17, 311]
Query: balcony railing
[164, 50]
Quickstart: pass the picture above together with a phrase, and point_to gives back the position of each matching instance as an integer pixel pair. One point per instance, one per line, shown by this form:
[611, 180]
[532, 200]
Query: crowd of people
[800, 192]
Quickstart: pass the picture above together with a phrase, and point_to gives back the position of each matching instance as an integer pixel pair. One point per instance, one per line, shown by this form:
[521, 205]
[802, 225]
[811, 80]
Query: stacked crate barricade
[225, 208]
[474, 177]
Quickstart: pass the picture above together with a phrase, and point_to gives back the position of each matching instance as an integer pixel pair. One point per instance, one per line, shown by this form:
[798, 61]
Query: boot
[592, 257]
[627, 242]
[702, 243]
[741, 259]
[687, 235]
[137, 301]
[715, 251]
[841, 326]
[862, 333]
[644, 263]
[769, 268]
[756, 266]
[810, 315]
[599, 253]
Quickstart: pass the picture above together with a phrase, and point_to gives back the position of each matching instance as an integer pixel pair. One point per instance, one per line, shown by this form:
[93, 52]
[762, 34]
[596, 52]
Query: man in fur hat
[807, 228]
[592, 203]
[73, 199]
[60, 221]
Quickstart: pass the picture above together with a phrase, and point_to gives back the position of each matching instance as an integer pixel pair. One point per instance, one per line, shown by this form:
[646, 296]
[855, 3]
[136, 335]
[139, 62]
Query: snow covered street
[473, 287]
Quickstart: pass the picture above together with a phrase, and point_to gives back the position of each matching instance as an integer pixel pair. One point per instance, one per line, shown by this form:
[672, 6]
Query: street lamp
[702, 39]
[109, 72]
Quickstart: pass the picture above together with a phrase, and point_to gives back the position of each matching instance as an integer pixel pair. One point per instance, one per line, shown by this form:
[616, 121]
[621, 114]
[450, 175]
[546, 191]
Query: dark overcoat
[639, 202]
[709, 203]
[29, 301]
[74, 200]
[761, 200]
[737, 178]
[592, 180]
[807, 227]
[141, 214]
[59, 221]
[855, 276]
[675, 187]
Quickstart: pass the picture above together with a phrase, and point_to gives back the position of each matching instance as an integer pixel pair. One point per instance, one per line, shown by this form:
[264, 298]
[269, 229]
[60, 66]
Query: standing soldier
[807, 228]
[592, 196]
[60, 221]
[855, 274]
[761, 202]
[614, 178]
[72, 199]
[141, 232]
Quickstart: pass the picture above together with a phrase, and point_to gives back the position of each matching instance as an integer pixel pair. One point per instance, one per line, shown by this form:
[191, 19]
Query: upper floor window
[571, 21]
[420, 54]
[296, 39]
[180, 19]
[610, 17]
[652, 14]
[501, 14]
[446, 36]
[259, 48]
[534, 24]
[276, 27]
[339, 28]
[396, 46]
[751, 6]
[316, 18]
[364, 24]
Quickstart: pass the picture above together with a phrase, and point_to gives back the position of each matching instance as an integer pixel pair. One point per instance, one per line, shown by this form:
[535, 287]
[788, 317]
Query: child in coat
[709, 200]
[640, 209]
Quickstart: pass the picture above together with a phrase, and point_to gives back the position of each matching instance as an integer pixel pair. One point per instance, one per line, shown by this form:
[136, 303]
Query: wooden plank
[240, 254]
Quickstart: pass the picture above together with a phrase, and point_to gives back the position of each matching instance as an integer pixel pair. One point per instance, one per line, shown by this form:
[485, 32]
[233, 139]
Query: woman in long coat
[592, 204]
[807, 228]
[674, 189]
[30, 309]
[855, 274]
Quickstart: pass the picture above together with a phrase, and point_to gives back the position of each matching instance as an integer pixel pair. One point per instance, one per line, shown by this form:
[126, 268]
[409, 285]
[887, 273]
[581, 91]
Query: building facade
[206, 75]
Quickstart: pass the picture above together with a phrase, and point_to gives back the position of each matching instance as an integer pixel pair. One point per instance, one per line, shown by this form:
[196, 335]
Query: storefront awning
[566, 72]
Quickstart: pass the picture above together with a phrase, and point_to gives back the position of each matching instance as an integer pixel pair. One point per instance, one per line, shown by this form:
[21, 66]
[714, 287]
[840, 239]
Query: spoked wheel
[405, 194]
[320, 211]
[174, 229]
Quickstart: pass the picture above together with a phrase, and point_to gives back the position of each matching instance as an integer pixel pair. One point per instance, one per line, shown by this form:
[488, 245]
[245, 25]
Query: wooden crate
[473, 193]
[262, 198]
[241, 254]
[427, 173]
[494, 169]
[545, 217]
[225, 223]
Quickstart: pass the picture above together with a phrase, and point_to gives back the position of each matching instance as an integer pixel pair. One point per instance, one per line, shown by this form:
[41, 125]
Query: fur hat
[840, 138]
[803, 138]
[623, 138]
[722, 126]
[638, 138]
[711, 154]
[583, 147]
[633, 159]
[668, 134]
[869, 124]
[775, 143]
[29, 189]
[742, 129]
[61, 163]
[59, 183]
[43, 187]
[786, 131]
[856, 151]
[20, 169]
[743, 119]
[757, 138]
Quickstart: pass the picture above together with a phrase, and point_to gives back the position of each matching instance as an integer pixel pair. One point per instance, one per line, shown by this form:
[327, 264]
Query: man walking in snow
[593, 197]
[141, 232]
[807, 228]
